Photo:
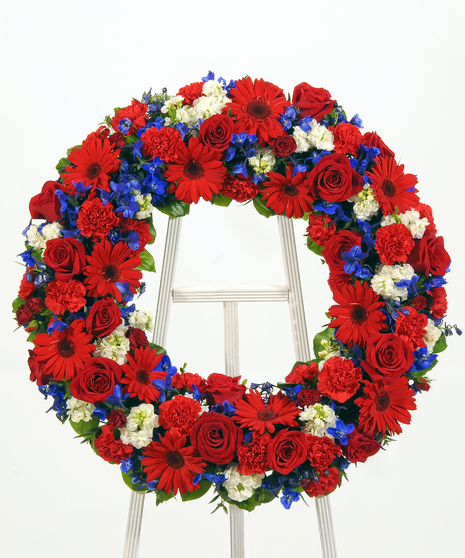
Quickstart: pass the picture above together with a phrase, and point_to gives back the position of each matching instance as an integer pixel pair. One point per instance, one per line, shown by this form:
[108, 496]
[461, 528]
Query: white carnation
[301, 139]
[34, 238]
[52, 230]
[241, 487]
[384, 282]
[320, 137]
[141, 320]
[138, 430]
[114, 346]
[318, 419]
[433, 333]
[79, 410]
[411, 219]
[263, 161]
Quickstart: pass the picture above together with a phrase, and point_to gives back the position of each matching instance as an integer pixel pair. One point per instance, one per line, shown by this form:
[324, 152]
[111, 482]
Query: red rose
[46, 205]
[137, 338]
[302, 373]
[334, 179]
[394, 243]
[37, 370]
[419, 302]
[307, 397]
[283, 146]
[371, 139]
[312, 101]
[104, 317]
[66, 256]
[216, 132]
[347, 138]
[111, 449]
[116, 418]
[421, 384]
[287, 450]
[26, 312]
[321, 451]
[387, 357]
[339, 379]
[429, 255]
[216, 438]
[360, 447]
[438, 307]
[326, 483]
[224, 388]
[340, 242]
[96, 380]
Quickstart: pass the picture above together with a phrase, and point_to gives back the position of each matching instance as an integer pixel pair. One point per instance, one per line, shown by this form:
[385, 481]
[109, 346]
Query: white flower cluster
[365, 204]
[114, 346]
[433, 333]
[384, 282]
[145, 205]
[79, 410]
[330, 350]
[411, 219]
[263, 161]
[212, 101]
[241, 487]
[138, 430]
[39, 239]
[141, 320]
[318, 136]
[318, 419]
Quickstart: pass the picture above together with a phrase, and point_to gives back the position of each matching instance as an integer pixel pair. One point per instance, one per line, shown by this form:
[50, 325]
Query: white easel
[230, 297]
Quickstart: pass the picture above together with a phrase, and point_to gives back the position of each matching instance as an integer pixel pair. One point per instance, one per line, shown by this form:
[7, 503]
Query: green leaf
[174, 208]
[148, 263]
[128, 480]
[62, 164]
[222, 201]
[440, 345]
[162, 496]
[130, 139]
[32, 336]
[86, 429]
[327, 334]
[201, 491]
[17, 302]
[159, 348]
[314, 247]
[261, 207]
[152, 230]
[72, 148]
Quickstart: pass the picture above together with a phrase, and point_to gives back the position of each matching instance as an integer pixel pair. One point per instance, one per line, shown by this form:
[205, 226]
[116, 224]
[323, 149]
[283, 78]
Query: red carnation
[339, 379]
[191, 92]
[334, 179]
[426, 211]
[239, 189]
[360, 447]
[179, 413]
[46, 205]
[438, 306]
[66, 256]
[186, 380]
[224, 388]
[326, 483]
[141, 228]
[302, 373]
[216, 438]
[216, 132]
[104, 317]
[410, 326]
[287, 450]
[95, 219]
[65, 295]
[347, 138]
[96, 380]
[253, 458]
[26, 288]
[136, 112]
[312, 101]
[337, 281]
[394, 243]
[429, 256]
[109, 448]
[163, 143]
[320, 229]
[340, 242]
[321, 451]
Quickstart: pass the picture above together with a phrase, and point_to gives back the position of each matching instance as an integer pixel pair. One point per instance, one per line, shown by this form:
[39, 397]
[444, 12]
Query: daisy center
[66, 348]
[193, 170]
[111, 272]
[174, 460]
[383, 401]
[142, 376]
[389, 188]
[93, 170]
[290, 190]
[358, 313]
[267, 414]
[258, 109]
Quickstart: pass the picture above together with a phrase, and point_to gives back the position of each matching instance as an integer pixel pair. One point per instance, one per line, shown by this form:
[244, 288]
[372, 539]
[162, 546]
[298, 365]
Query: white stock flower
[263, 161]
[241, 487]
[79, 410]
[114, 346]
[411, 219]
[34, 238]
[52, 230]
[329, 350]
[385, 280]
[433, 333]
[138, 430]
[145, 205]
[141, 320]
[365, 204]
[318, 419]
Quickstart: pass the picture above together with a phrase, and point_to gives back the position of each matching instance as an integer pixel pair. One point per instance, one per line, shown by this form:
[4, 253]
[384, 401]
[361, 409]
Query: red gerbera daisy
[64, 352]
[198, 172]
[252, 412]
[289, 194]
[256, 107]
[357, 315]
[92, 164]
[108, 265]
[173, 464]
[391, 186]
[139, 373]
[384, 406]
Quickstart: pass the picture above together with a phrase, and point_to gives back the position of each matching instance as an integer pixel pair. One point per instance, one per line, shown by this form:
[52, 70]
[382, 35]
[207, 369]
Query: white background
[65, 65]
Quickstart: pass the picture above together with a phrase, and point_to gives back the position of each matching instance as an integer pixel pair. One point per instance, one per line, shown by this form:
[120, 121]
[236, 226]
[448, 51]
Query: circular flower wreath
[173, 431]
